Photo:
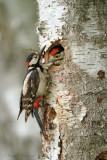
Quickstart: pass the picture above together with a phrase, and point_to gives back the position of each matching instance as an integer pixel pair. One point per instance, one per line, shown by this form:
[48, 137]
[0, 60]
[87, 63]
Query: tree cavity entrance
[55, 53]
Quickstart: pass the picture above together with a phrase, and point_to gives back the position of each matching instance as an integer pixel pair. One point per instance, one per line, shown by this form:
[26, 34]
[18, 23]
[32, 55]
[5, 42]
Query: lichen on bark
[77, 92]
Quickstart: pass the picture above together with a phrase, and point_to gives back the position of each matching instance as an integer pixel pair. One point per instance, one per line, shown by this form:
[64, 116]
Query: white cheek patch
[25, 85]
[33, 61]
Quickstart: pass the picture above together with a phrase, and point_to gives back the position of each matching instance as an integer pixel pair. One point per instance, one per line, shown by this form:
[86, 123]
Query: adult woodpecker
[34, 87]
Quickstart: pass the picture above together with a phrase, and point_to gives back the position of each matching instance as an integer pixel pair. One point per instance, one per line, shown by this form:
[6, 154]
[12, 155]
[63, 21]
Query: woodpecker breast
[42, 84]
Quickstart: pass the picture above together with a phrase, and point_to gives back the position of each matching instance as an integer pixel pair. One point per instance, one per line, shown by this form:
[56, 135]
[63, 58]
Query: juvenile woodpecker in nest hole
[34, 88]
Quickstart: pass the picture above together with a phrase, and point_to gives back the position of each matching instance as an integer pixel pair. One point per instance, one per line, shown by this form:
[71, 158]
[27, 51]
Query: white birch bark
[78, 91]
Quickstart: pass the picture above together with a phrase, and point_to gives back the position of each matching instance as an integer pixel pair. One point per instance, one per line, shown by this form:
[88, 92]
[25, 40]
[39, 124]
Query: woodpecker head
[32, 59]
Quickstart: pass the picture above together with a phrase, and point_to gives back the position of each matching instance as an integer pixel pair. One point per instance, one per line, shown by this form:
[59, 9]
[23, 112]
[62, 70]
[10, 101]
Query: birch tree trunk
[78, 89]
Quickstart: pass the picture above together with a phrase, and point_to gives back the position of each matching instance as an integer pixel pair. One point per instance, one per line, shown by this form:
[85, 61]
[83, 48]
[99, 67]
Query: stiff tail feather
[36, 114]
[27, 113]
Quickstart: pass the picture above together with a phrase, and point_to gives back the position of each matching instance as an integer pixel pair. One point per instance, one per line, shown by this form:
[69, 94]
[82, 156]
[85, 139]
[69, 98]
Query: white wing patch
[25, 85]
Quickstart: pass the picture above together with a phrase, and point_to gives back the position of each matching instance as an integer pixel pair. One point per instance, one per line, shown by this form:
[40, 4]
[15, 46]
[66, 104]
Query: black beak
[42, 50]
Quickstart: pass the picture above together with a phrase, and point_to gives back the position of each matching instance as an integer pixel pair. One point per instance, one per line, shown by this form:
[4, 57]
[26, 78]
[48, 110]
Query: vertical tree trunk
[78, 89]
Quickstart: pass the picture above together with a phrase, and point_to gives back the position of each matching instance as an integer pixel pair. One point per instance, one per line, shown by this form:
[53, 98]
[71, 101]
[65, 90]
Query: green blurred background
[18, 37]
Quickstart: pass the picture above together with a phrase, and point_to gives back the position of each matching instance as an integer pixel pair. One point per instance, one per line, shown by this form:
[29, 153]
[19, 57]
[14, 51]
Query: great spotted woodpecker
[34, 87]
[56, 54]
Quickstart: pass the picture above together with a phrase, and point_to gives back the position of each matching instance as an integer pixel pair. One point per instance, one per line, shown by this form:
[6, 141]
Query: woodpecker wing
[28, 94]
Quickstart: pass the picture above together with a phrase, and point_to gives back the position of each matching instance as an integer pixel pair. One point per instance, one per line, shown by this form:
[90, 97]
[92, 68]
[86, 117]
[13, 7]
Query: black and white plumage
[34, 85]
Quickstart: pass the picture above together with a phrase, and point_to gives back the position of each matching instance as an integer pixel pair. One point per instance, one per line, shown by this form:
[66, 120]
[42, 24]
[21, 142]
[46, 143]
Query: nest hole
[55, 53]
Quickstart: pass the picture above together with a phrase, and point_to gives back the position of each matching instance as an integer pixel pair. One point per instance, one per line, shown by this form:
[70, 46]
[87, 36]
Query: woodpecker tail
[27, 113]
[36, 114]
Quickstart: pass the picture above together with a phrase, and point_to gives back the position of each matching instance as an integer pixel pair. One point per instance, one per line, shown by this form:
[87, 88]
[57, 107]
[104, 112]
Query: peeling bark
[78, 88]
